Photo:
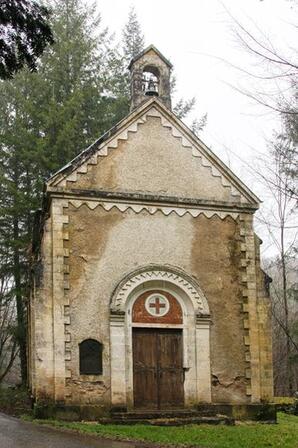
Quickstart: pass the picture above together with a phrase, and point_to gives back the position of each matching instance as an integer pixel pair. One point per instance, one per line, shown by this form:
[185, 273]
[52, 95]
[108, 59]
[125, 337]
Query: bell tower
[150, 76]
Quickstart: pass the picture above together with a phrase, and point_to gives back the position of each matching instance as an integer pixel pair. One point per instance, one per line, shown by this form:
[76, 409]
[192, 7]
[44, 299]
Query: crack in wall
[216, 381]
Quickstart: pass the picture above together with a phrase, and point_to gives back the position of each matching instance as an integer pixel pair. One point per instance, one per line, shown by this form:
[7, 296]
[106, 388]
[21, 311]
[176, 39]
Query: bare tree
[285, 357]
[281, 225]
[274, 80]
[275, 73]
[274, 85]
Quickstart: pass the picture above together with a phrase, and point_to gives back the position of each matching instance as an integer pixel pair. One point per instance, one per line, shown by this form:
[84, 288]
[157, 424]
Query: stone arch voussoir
[169, 274]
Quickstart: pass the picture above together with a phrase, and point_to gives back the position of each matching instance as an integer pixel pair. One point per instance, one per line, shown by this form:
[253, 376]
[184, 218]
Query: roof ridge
[146, 50]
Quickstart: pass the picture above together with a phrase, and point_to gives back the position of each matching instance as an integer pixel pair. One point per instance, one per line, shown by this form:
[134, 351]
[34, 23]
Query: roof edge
[150, 199]
[93, 147]
[88, 152]
[196, 140]
[150, 47]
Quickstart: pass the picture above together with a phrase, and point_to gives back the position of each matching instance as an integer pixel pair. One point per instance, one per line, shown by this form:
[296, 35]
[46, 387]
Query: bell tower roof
[150, 76]
[147, 50]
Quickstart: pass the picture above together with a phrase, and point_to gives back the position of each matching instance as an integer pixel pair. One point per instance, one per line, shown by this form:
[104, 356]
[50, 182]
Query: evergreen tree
[79, 81]
[80, 90]
[17, 193]
[24, 34]
[132, 43]
[132, 37]
[46, 118]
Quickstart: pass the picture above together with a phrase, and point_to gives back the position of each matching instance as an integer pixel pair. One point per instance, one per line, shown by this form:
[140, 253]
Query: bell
[151, 88]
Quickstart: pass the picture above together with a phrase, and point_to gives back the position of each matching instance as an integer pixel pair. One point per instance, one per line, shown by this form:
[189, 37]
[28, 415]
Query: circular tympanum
[157, 305]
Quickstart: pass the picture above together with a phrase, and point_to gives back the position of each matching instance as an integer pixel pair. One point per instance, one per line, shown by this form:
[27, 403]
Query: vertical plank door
[145, 368]
[170, 369]
[158, 375]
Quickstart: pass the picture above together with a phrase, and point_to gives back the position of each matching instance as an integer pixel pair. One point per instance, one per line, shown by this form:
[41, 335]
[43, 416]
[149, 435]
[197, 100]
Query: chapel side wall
[257, 311]
[105, 246]
[217, 263]
[41, 323]
[265, 329]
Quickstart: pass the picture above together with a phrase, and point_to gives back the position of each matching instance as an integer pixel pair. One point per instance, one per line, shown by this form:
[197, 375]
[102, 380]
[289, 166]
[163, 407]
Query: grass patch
[253, 435]
[283, 400]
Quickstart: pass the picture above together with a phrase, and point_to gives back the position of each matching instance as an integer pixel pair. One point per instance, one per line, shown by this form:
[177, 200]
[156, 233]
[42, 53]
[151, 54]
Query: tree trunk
[21, 313]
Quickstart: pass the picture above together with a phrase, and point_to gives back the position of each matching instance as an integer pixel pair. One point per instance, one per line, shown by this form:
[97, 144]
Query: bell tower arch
[150, 76]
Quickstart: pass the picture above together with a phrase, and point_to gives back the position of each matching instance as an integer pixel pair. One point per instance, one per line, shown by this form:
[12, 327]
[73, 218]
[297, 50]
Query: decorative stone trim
[166, 210]
[243, 268]
[61, 278]
[61, 317]
[249, 294]
[67, 318]
[151, 273]
[196, 341]
[117, 319]
[203, 320]
[105, 147]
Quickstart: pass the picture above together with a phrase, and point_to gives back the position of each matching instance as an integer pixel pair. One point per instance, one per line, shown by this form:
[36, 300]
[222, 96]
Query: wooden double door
[158, 374]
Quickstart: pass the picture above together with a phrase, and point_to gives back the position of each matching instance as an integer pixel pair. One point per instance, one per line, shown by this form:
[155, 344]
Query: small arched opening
[151, 81]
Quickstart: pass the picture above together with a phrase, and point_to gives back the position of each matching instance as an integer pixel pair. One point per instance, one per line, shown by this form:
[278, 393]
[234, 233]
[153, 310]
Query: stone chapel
[147, 291]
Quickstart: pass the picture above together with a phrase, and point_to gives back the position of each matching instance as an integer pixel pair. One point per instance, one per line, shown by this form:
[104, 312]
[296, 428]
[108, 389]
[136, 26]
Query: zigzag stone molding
[166, 274]
[105, 148]
[152, 209]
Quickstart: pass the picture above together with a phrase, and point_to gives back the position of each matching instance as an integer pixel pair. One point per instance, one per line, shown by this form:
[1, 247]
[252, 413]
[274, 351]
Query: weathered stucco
[102, 248]
[207, 249]
[152, 160]
[216, 257]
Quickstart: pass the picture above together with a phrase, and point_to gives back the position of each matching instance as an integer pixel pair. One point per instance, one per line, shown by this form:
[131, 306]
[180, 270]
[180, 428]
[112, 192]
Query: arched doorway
[159, 332]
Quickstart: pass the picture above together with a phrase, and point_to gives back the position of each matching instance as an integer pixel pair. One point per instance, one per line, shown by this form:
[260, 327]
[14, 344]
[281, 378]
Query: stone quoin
[147, 291]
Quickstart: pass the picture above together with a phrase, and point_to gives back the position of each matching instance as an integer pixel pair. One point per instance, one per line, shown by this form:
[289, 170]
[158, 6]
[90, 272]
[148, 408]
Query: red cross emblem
[157, 305]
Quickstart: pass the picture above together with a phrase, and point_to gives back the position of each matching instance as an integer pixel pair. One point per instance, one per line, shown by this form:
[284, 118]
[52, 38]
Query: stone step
[166, 418]
[155, 414]
[173, 421]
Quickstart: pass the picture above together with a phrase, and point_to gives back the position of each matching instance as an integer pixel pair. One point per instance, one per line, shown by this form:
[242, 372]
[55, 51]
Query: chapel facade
[147, 291]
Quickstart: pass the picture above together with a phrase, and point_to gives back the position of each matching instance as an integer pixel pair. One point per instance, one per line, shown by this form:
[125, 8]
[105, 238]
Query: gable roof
[153, 48]
[155, 106]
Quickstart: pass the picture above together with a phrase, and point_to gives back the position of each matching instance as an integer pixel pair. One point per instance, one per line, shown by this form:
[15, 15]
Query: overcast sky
[196, 35]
